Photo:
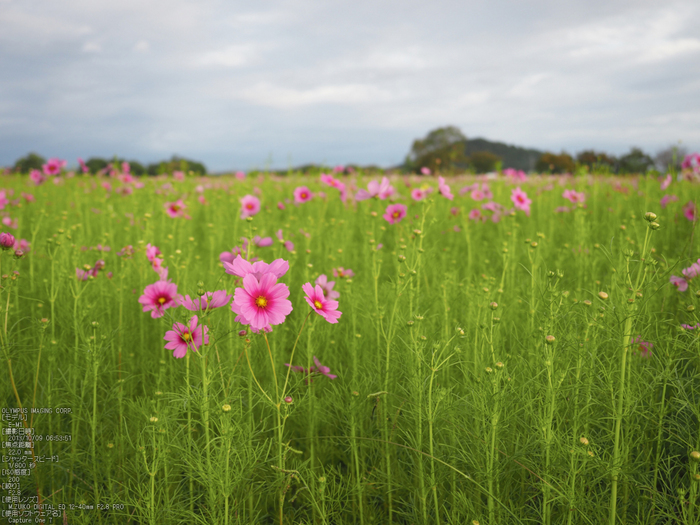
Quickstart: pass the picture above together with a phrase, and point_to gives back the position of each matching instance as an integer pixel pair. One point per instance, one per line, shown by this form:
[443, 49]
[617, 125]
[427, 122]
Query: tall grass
[487, 372]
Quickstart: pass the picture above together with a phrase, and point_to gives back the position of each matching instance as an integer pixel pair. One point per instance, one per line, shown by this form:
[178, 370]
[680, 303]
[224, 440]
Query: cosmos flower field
[349, 348]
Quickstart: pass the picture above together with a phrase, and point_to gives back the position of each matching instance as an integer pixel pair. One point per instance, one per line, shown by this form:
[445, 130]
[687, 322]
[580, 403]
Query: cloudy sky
[243, 85]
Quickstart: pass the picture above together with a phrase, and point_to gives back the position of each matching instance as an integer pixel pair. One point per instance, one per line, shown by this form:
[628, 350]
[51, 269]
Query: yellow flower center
[161, 300]
[395, 215]
[261, 302]
[249, 206]
[318, 304]
[186, 337]
[303, 195]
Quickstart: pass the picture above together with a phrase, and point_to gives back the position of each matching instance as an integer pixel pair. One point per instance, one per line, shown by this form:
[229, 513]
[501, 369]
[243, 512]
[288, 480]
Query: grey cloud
[233, 83]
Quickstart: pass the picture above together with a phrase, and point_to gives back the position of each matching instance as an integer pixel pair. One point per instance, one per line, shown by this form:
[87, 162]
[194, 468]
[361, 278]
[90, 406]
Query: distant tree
[96, 164]
[136, 168]
[553, 163]
[441, 149]
[670, 158]
[176, 164]
[484, 161]
[596, 161]
[636, 161]
[31, 161]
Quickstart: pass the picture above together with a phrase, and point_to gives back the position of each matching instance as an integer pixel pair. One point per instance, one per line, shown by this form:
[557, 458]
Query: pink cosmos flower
[691, 162]
[302, 194]
[444, 189]
[240, 175]
[668, 198]
[690, 211]
[562, 209]
[208, 301]
[477, 195]
[519, 198]
[175, 209]
[240, 268]
[319, 369]
[515, 175]
[280, 205]
[691, 326]
[262, 303]
[10, 222]
[382, 190]
[394, 213]
[418, 194]
[37, 177]
[644, 348]
[182, 337]
[454, 211]
[342, 273]
[666, 182]
[469, 189]
[326, 308]
[53, 166]
[574, 197]
[126, 167]
[158, 297]
[688, 274]
[127, 252]
[178, 175]
[425, 171]
[327, 287]
[152, 252]
[83, 166]
[107, 186]
[23, 245]
[475, 215]
[28, 197]
[250, 205]
[228, 257]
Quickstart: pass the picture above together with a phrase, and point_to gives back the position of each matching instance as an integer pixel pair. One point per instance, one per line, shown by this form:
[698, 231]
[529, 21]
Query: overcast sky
[243, 85]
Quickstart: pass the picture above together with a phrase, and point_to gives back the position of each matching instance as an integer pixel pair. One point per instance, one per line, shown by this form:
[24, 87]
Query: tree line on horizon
[446, 150]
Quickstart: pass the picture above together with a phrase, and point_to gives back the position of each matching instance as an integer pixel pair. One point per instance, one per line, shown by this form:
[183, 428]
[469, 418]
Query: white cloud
[230, 56]
[287, 98]
[91, 47]
[142, 46]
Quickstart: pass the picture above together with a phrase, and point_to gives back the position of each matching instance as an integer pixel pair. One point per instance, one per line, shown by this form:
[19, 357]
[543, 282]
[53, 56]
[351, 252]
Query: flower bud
[249, 219]
[583, 441]
[7, 240]
[242, 333]
[654, 225]
[650, 216]
[493, 305]
[288, 400]
[690, 308]
[695, 455]
[402, 258]
[226, 408]
[550, 339]
[603, 295]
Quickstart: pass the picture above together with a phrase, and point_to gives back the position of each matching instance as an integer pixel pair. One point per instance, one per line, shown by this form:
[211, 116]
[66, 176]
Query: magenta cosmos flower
[520, 200]
[690, 211]
[326, 308]
[208, 301]
[688, 273]
[574, 196]
[394, 213]
[7, 240]
[644, 348]
[182, 337]
[240, 268]
[425, 171]
[668, 198]
[327, 287]
[158, 297]
[418, 194]
[444, 189]
[250, 205]
[261, 303]
[53, 166]
[381, 190]
[342, 273]
[175, 209]
[302, 194]
[37, 177]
